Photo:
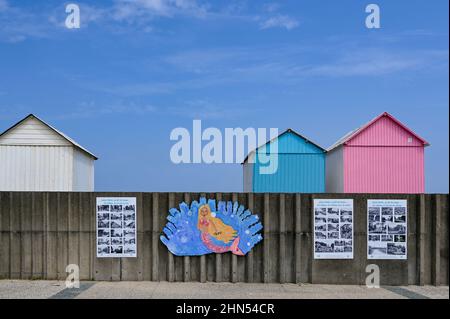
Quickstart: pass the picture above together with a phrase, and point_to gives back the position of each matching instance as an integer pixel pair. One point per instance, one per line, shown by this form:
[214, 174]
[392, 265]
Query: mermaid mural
[204, 228]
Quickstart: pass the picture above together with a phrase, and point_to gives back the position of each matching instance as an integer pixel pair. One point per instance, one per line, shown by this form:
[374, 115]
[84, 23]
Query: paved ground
[158, 290]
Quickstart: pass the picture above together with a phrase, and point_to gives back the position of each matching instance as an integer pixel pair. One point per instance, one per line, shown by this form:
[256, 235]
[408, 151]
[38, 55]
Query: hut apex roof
[289, 130]
[352, 134]
[32, 116]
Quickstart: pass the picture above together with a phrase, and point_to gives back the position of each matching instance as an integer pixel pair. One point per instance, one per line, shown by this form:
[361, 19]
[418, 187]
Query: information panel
[116, 227]
[333, 228]
[387, 229]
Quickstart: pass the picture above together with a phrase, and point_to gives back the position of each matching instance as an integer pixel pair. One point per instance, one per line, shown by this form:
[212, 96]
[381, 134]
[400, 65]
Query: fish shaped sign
[204, 228]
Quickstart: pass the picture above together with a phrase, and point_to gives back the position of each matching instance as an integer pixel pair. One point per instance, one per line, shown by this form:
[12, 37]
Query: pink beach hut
[383, 156]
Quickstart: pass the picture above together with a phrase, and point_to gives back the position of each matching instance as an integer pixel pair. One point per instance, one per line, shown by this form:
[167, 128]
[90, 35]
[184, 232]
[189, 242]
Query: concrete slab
[432, 292]
[26, 289]
[13, 289]
[309, 291]
[163, 290]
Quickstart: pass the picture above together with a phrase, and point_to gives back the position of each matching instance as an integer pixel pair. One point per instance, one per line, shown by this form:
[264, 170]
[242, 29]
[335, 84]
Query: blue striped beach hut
[300, 166]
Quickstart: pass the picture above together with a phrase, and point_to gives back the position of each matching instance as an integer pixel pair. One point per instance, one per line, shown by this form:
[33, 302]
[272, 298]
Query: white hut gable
[32, 131]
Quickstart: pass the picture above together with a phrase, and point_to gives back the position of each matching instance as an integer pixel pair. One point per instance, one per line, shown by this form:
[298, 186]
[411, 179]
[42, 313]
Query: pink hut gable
[383, 156]
[385, 131]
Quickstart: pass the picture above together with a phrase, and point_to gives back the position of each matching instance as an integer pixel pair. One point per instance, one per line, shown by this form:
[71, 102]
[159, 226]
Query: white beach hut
[34, 156]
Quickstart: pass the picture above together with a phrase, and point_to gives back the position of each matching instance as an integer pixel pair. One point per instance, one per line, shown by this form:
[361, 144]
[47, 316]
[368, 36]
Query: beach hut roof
[32, 116]
[349, 136]
[289, 130]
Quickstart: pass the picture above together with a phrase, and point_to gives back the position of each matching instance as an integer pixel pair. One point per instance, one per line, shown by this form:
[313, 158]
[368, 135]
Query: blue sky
[136, 70]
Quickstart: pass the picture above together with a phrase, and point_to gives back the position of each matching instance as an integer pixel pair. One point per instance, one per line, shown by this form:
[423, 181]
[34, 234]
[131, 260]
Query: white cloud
[279, 21]
[132, 9]
[377, 62]
[288, 65]
[20, 23]
[17, 25]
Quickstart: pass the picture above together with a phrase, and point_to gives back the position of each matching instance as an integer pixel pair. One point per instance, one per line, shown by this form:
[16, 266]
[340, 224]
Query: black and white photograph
[116, 250]
[374, 215]
[129, 250]
[323, 247]
[103, 216]
[129, 232]
[400, 211]
[130, 224]
[346, 231]
[116, 226]
[116, 208]
[104, 241]
[319, 220]
[116, 232]
[345, 212]
[333, 226]
[320, 212]
[333, 212]
[399, 238]
[103, 233]
[321, 227]
[399, 218]
[377, 228]
[377, 250]
[117, 241]
[102, 208]
[320, 235]
[392, 229]
[102, 249]
[339, 242]
[333, 235]
[346, 219]
[396, 249]
[334, 220]
[103, 224]
[338, 249]
[397, 229]
[116, 216]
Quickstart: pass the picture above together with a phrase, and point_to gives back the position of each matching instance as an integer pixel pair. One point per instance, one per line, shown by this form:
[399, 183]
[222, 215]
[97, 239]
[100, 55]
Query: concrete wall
[41, 233]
